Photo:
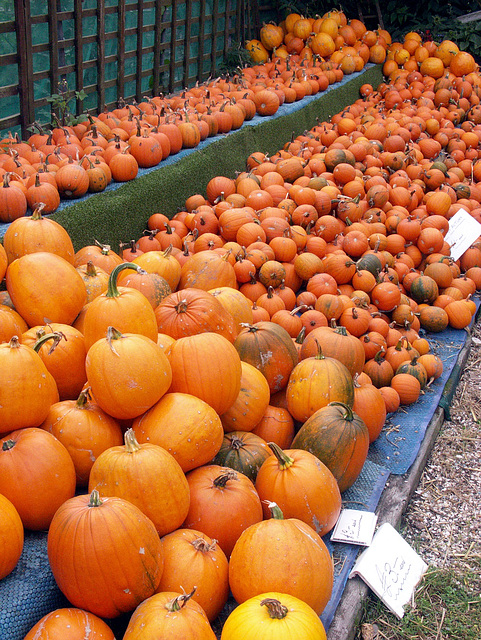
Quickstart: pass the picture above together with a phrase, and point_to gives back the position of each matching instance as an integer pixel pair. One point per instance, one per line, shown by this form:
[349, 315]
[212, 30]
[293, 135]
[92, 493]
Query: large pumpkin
[169, 615]
[339, 438]
[302, 486]
[36, 474]
[184, 425]
[70, 624]
[273, 615]
[314, 383]
[27, 389]
[223, 503]
[11, 536]
[105, 554]
[207, 366]
[192, 559]
[282, 555]
[268, 347]
[146, 475]
[128, 373]
[44, 288]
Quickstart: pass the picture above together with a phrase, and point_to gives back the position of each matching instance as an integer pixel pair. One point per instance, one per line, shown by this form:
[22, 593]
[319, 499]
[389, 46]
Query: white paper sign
[391, 568]
[355, 527]
[463, 231]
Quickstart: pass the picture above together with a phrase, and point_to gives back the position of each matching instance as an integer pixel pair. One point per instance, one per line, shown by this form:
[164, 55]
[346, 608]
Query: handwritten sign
[391, 568]
[463, 231]
[355, 527]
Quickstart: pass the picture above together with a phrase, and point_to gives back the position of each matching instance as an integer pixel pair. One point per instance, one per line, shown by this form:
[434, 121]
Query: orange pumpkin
[11, 536]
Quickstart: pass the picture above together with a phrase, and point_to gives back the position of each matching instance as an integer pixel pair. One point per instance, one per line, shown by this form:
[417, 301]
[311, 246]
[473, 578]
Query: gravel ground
[443, 518]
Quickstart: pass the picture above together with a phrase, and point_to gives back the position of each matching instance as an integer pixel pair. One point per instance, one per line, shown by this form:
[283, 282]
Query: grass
[447, 606]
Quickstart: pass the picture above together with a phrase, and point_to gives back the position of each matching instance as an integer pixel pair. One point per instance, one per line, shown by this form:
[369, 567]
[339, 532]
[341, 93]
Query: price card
[463, 231]
[355, 527]
[391, 568]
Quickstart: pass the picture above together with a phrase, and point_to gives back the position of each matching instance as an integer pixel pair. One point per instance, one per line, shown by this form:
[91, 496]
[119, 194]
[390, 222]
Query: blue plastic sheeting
[400, 440]
[283, 110]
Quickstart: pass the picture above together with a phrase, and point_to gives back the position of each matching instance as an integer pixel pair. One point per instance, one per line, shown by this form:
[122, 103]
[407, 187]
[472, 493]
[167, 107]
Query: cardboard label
[463, 231]
[355, 527]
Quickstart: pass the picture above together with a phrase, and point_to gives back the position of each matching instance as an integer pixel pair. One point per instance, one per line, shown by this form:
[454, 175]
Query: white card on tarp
[463, 231]
[355, 527]
[391, 568]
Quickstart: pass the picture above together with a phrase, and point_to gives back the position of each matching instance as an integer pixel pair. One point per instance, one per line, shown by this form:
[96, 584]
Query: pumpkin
[235, 303]
[13, 202]
[154, 287]
[11, 536]
[207, 270]
[302, 486]
[192, 559]
[27, 459]
[314, 383]
[44, 287]
[11, 323]
[128, 373]
[268, 347]
[220, 386]
[101, 255]
[190, 311]
[242, 451]
[83, 544]
[24, 399]
[370, 407]
[335, 343]
[276, 425]
[186, 426]
[416, 369]
[96, 279]
[273, 615]
[251, 402]
[70, 623]
[223, 503]
[125, 308]
[169, 615]
[407, 386]
[339, 438]
[84, 430]
[263, 552]
[146, 475]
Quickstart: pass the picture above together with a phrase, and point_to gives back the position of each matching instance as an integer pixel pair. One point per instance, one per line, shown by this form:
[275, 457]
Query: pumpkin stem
[348, 413]
[131, 444]
[200, 544]
[113, 334]
[83, 399]
[56, 336]
[8, 444]
[222, 480]
[112, 289]
[276, 511]
[275, 608]
[14, 342]
[283, 459]
[95, 500]
[180, 601]
[319, 355]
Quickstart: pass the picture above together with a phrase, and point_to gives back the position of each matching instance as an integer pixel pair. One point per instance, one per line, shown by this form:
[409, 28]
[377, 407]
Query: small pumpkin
[242, 451]
[70, 623]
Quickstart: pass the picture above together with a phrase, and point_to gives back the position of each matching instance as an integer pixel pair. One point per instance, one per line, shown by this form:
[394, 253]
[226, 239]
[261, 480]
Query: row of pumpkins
[242, 354]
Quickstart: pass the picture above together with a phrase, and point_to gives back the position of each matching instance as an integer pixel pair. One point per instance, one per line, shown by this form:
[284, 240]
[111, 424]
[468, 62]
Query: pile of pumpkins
[207, 394]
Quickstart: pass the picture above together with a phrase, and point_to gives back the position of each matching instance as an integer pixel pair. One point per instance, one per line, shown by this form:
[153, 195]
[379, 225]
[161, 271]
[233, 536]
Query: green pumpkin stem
[131, 444]
[180, 601]
[95, 500]
[8, 444]
[83, 399]
[276, 511]
[275, 608]
[283, 459]
[348, 413]
[319, 355]
[56, 336]
[112, 289]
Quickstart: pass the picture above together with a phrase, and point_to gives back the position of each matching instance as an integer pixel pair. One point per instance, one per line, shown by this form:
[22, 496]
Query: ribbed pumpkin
[268, 347]
[339, 438]
[44, 287]
[223, 504]
[128, 373]
[335, 343]
[207, 270]
[124, 308]
[206, 365]
[251, 402]
[257, 555]
[27, 460]
[192, 559]
[84, 430]
[25, 399]
[146, 475]
[169, 615]
[302, 486]
[70, 623]
[242, 451]
[84, 539]
[11, 536]
[273, 615]
[186, 426]
[315, 382]
[190, 311]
